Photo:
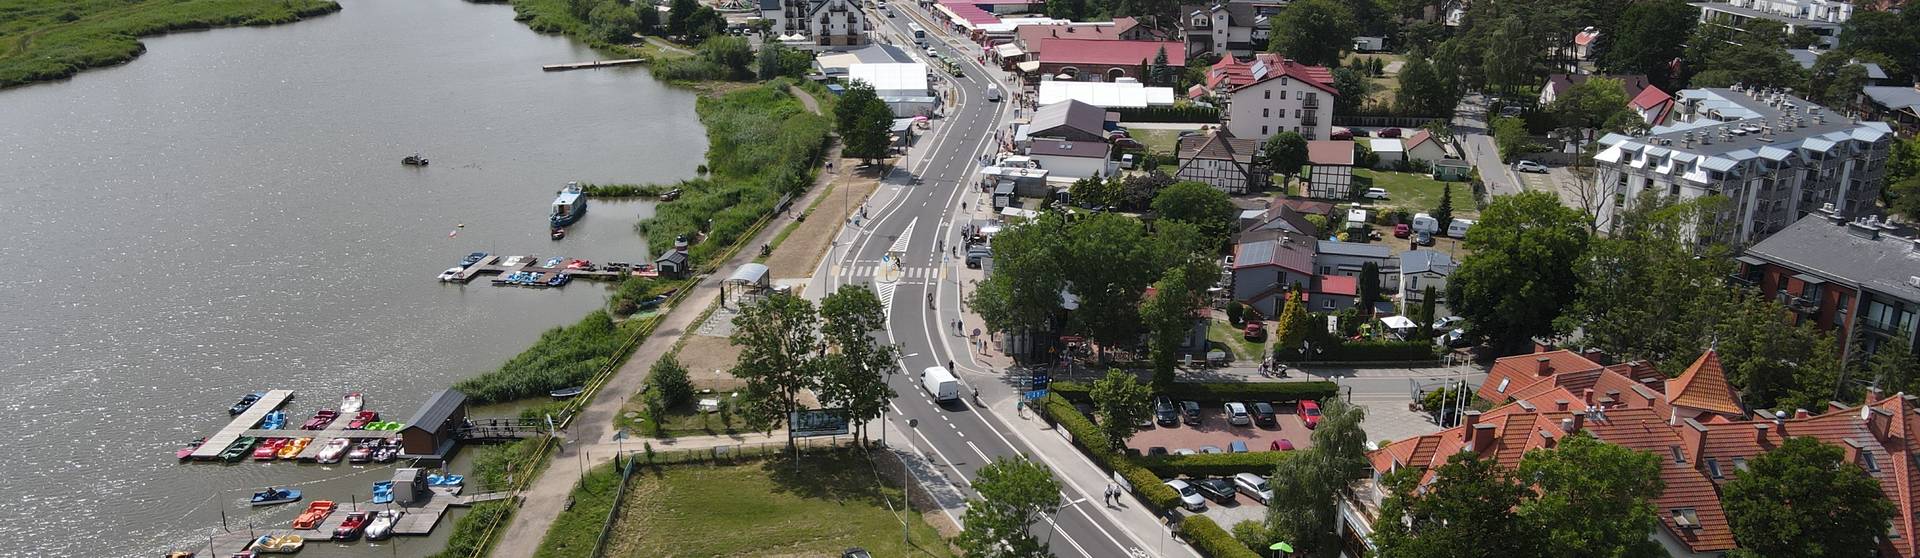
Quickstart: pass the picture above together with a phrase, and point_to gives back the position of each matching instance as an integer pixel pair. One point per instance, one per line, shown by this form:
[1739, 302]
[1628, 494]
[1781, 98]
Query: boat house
[434, 430]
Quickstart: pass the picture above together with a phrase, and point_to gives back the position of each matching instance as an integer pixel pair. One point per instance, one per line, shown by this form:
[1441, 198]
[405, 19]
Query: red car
[1255, 331]
[1309, 412]
[1389, 133]
[320, 420]
[1282, 444]
[350, 527]
[1402, 231]
[361, 419]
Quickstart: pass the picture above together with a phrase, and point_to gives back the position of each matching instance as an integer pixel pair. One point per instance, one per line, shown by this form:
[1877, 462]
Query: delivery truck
[940, 383]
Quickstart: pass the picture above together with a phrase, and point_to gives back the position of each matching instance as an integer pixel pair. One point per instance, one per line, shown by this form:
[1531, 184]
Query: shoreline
[76, 42]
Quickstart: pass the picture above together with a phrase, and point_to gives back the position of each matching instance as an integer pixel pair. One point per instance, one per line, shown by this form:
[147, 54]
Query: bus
[919, 33]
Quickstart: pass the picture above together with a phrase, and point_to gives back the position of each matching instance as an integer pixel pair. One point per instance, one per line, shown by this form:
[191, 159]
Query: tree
[1834, 80]
[1352, 90]
[1443, 213]
[613, 22]
[1599, 103]
[1645, 286]
[863, 122]
[1470, 502]
[1424, 91]
[1769, 359]
[1804, 499]
[582, 9]
[1892, 367]
[1169, 313]
[1513, 58]
[1014, 493]
[670, 379]
[1023, 292]
[1121, 401]
[1593, 499]
[1426, 313]
[1369, 287]
[1109, 267]
[679, 14]
[732, 53]
[1510, 137]
[1756, 57]
[1649, 36]
[1895, 36]
[1197, 203]
[1094, 191]
[1286, 153]
[705, 22]
[1304, 484]
[648, 15]
[854, 370]
[1520, 272]
[1162, 74]
[1138, 190]
[777, 342]
[1290, 334]
[1312, 32]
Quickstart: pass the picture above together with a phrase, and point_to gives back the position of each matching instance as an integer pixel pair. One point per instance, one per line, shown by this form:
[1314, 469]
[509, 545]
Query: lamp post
[906, 493]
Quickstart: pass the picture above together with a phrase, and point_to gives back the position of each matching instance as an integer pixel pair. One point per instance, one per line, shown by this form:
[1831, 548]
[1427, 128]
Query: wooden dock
[496, 265]
[242, 423]
[418, 521]
[593, 64]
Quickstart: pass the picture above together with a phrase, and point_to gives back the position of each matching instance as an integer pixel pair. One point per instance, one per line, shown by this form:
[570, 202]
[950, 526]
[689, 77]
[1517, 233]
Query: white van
[940, 383]
[993, 93]
[1424, 223]
[1458, 228]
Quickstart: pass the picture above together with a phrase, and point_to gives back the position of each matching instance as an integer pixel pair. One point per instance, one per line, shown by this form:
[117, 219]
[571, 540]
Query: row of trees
[788, 346]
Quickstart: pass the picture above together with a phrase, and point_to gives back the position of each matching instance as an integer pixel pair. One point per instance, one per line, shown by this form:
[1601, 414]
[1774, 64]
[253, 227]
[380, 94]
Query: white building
[1282, 96]
[1821, 17]
[1066, 161]
[1103, 94]
[1776, 157]
[823, 22]
[903, 86]
[1237, 27]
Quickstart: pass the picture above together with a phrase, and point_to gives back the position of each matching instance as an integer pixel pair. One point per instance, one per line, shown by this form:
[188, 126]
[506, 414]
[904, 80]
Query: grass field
[766, 508]
[1385, 86]
[1157, 141]
[44, 40]
[1223, 333]
[1416, 192]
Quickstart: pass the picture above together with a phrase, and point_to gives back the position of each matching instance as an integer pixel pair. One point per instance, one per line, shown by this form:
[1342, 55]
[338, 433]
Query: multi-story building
[1225, 162]
[1272, 94]
[1853, 277]
[1823, 18]
[1774, 156]
[1330, 169]
[1229, 27]
[825, 22]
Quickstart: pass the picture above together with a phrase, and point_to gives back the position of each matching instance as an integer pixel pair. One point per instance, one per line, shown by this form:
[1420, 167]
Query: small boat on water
[382, 525]
[272, 496]
[180, 554]
[558, 233]
[351, 526]
[568, 393]
[569, 205]
[414, 160]
[246, 402]
[473, 258]
[270, 449]
[362, 419]
[387, 452]
[351, 403]
[292, 449]
[315, 513]
[283, 544]
[362, 452]
[333, 451]
[274, 421]
[671, 195]
[382, 492]
[320, 419]
[186, 452]
[238, 449]
[452, 274]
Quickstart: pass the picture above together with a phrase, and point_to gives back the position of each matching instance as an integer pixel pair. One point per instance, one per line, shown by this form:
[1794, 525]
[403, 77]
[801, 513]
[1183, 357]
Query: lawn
[575, 530]
[834, 501]
[1415, 192]
[682, 420]
[1219, 332]
[1157, 141]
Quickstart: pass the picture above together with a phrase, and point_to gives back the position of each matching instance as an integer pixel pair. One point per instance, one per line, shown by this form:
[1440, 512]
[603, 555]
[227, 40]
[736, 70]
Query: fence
[1382, 121]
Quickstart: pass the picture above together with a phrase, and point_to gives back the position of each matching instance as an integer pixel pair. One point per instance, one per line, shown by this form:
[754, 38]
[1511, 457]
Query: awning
[1809, 279]
[1719, 164]
[749, 273]
[1028, 66]
[1397, 322]
[1008, 50]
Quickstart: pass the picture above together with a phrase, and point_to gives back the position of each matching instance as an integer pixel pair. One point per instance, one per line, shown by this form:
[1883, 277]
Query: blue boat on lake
[569, 206]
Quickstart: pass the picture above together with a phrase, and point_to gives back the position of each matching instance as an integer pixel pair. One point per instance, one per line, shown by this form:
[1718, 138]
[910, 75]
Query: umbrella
[1282, 547]
[920, 119]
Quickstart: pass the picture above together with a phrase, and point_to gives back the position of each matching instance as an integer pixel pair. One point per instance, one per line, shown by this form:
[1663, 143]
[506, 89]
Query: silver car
[1189, 496]
[1529, 166]
[1254, 487]
[1237, 414]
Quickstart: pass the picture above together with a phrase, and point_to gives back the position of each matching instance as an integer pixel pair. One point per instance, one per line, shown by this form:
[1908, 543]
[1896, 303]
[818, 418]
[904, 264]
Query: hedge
[1214, 464]
[1211, 392]
[1189, 113]
[1208, 538]
[1058, 411]
[1379, 351]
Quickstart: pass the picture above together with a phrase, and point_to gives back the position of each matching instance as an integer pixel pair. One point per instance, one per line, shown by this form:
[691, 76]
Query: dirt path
[806, 99]
[663, 45]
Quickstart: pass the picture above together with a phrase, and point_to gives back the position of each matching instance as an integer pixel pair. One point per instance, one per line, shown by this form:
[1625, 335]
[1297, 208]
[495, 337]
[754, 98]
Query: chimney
[1695, 436]
[1579, 421]
[1560, 405]
[1832, 214]
[1647, 396]
[1482, 437]
[1801, 413]
[1853, 450]
[1864, 229]
[1587, 394]
[1543, 366]
[1469, 419]
[1760, 432]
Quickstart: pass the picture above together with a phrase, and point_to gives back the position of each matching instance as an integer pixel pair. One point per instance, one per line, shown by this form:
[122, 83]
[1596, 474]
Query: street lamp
[906, 493]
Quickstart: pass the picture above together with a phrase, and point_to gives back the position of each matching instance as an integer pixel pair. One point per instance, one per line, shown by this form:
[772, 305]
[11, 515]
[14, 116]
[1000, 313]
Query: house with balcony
[1229, 27]
[1272, 94]
[1823, 18]
[1857, 278]
[822, 22]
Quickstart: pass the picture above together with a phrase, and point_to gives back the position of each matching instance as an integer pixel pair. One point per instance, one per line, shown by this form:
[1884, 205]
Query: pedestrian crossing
[871, 270]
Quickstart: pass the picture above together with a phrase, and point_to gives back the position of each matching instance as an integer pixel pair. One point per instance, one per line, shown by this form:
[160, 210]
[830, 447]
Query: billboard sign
[818, 422]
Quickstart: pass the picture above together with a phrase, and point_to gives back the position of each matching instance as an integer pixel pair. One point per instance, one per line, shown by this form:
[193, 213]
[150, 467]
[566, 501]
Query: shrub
[1059, 412]
[1214, 392]
[670, 378]
[1187, 113]
[1208, 538]
[563, 357]
[1235, 312]
[1215, 464]
[1368, 351]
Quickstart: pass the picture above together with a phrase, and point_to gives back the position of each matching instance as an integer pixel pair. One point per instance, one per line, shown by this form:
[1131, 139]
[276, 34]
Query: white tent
[1397, 322]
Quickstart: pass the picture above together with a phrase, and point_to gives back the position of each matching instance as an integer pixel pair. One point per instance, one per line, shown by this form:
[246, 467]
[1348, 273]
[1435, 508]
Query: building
[1229, 27]
[1111, 95]
[1279, 221]
[1899, 105]
[1694, 422]
[1332, 292]
[1272, 94]
[1425, 147]
[1648, 101]
[1330, 164]
[1225, 162]
[1072, 121]
[1823, 18]
[1104, 60]
[434, 430]
[1855, 278]
[835, 64]
[822, 22]
[1072, 160]
[1583, 43]
[1334, 258]
[1027, 38]
[1264, 269]
[1391, 151]
[1775, 156]
[1876, 75]
[1420, 269]
[903, 87]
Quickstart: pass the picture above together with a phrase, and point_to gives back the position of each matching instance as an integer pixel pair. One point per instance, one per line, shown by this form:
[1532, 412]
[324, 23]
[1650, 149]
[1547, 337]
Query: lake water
[229, 213]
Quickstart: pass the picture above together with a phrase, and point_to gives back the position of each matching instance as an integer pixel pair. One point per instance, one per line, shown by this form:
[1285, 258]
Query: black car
[1423, 239]
[1156, 450]
[1216, 489]
[1190, 412]
[1164, 411]
[1263, 414]
[856, 552]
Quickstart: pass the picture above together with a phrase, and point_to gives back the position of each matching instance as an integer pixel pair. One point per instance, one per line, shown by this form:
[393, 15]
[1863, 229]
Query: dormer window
[1677, 456]
[1686, 518]
[1713, 468]
[1868, 462]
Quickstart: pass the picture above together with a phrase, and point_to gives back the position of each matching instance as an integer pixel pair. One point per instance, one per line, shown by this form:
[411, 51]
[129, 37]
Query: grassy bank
[762, 142]
[563, 357]
[623, 190]
[43, 40]
[575, 530]
[468, 538]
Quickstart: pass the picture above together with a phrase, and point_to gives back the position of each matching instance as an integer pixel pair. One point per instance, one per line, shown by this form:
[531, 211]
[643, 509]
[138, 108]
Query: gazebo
[749, 278]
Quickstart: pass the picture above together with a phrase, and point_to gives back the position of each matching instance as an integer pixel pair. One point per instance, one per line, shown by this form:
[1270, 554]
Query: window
[1867, 462]
[1686, 518]
[1263, 113]
[1263, 130]
[1268, 94]
[1713, 468]
[1296, 113]
[1740, 463]
[1283, 95]
[1502, 388]
[1677, 456]
[1673, 189]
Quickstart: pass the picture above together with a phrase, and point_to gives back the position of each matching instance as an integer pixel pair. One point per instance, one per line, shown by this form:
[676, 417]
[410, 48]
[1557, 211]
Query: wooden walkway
[593, 64]
[496, 265]
[242, 423]
[418, 521]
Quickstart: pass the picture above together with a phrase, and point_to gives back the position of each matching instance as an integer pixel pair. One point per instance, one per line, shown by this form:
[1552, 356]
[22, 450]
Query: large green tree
[613, 22]
[1893, 368]
[1121, 401]
[1649, 37]
[1424, 90]
[1804, 499]
[1513, 57]
[1014, 493]
[1286, 154]
[1647, 286]
[854, 370]
[1520, 273]
[777, 342]
[1198, 203]
[863, 122]
[1471, 502]
[1599, 103]
[1169, 314]
[1893, 35]
[1029, 272]
[1352, 89]
[1110, 266]
[1312, 31]
[1835, 81]
[670, 380]
[680, 15]
[1305, 483]
[1773, 362]
[1592, 499]
[1293, 326]
[1756, 56]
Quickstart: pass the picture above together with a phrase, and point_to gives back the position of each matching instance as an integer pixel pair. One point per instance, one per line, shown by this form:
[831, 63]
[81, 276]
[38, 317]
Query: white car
[1189, 496]
[1447, 323]
[1375, 194]
[1254, 487]
[1237, 414]
[1529, 166]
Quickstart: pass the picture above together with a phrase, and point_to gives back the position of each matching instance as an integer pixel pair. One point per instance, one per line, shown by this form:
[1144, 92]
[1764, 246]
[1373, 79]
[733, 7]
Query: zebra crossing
[868, 270]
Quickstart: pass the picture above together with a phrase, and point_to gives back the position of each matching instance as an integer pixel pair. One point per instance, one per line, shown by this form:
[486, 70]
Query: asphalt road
[917, 229]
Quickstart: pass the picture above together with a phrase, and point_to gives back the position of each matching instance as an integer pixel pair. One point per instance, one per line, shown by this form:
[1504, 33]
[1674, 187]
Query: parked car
[1156, 450]
[856, 552]
[1402, 230]
[1189, 496]
[1238, 446]
[1164, 411]
[1309, 412]
[1389, 133]
[1341, 134]
[1423, 239]
[1190, 412]
[1458, 338]
[1184, 451]
[1128, 143]
[1216, 489]
[1237, 414]
[1263, 414]
[1254, 487]
[1211, 449]
[1529, 166]
[1282, 444]
[1375, 194]
[1447, 323]
[1255, 330]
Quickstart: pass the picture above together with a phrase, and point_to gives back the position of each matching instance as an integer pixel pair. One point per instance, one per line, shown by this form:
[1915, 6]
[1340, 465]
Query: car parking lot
[1215, 431]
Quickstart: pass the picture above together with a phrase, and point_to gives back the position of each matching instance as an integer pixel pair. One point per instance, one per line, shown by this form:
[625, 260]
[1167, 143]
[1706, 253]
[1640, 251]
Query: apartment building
[1858, 278]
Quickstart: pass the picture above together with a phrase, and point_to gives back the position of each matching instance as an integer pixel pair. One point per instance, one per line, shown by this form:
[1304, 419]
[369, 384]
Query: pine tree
[1444, 214]
[1162, 74]
[1291, 331]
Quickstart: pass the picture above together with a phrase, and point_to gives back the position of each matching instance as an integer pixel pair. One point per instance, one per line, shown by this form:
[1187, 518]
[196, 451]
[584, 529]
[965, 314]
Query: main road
[904, 249]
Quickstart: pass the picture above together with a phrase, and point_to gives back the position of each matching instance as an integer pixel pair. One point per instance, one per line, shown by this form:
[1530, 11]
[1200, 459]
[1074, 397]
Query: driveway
[1470, 127]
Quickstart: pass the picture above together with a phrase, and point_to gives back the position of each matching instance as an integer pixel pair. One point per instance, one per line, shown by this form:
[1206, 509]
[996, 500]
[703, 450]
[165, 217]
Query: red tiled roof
[1330, 152]
[1339, 284]
[1418, 138]
[971, 12]
[1278, 66]
[1109, 52]
[1518, 372]
[1031, 35]
[1704, 386]
[1650, 97]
